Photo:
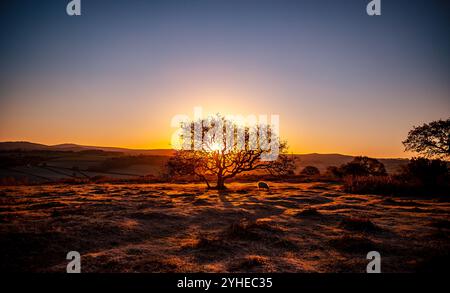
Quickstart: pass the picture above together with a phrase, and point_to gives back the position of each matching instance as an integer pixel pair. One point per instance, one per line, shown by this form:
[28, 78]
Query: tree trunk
[204, 179]
[207, 183]
[220, 182]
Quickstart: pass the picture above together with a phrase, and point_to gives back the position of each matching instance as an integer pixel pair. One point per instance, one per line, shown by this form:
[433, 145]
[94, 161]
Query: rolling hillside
[62, 159]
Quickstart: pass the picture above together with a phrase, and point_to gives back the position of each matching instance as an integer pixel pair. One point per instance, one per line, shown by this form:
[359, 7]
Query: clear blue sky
[340, 80]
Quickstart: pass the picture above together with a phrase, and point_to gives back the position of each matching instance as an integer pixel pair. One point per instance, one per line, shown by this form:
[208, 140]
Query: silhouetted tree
[334, 171]
[363, 166]
[431, 139]
[310, 171]
[429, 173]
[219, 157]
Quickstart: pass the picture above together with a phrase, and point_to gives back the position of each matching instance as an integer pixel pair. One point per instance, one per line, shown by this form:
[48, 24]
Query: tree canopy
[363, 166]
[431, 140]
[220, 148]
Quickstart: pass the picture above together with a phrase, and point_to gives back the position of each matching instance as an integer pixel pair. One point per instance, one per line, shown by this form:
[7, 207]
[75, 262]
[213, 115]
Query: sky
[341, 81]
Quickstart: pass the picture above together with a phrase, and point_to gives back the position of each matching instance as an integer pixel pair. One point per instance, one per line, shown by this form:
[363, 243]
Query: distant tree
[425, 171]
[431, 139]
[310, 171]
[216, 159]
[363, 166]
[334, 171]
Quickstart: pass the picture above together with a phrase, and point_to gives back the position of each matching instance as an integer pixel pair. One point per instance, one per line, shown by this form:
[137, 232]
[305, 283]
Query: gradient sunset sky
[341, 81]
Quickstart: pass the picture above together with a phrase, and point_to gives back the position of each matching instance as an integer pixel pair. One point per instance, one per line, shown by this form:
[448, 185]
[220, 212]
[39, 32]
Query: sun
[214, 147]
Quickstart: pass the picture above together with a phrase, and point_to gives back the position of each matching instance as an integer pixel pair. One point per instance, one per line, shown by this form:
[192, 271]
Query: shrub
[310, 171]
[419, 177]
[372, 184]
[425, 172]
[333, 171]
[363, 166]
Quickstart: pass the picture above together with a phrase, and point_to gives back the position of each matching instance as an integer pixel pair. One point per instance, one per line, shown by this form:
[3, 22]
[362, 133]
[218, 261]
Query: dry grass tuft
[349, 243]
[247, 229]
[248, 263]
[359, 224]
[162, 228]
[308, 213]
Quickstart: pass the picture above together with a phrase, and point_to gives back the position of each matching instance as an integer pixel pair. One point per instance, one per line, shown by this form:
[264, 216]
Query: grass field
[305, 227]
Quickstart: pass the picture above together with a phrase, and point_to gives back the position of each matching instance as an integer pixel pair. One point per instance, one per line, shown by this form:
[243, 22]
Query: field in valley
[304, 227]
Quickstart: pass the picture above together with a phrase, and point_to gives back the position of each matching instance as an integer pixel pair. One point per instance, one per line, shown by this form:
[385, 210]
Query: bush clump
[420, 176]
[310, 171]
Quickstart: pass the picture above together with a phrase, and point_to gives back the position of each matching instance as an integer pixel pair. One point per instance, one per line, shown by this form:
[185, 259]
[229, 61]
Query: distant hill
[28, 146]
[22, 145]
[321, 161]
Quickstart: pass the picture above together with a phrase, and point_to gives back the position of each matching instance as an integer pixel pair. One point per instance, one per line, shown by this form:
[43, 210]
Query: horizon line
[171, 149]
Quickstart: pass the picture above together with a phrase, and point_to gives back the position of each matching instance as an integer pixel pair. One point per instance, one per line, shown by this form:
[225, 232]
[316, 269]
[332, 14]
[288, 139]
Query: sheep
[263, 185]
